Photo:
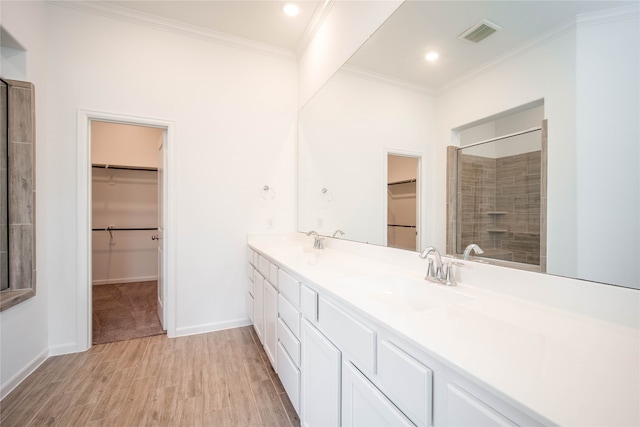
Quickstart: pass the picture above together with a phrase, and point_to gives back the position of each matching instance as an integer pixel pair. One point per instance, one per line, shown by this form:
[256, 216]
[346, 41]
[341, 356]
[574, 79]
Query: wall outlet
[269, 223]
[320, 222]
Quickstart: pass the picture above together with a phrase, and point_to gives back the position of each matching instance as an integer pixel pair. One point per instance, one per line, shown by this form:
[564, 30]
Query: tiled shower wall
[499, 206]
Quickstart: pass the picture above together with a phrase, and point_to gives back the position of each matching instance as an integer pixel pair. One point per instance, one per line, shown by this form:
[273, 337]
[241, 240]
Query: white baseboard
[212, 327]
[61, 349]
[127, 280]
[14, 381]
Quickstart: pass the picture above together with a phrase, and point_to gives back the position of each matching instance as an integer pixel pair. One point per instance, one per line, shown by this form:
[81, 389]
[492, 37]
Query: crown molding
[608, 15]
[314, 25]
[385, 79]
[172, 26]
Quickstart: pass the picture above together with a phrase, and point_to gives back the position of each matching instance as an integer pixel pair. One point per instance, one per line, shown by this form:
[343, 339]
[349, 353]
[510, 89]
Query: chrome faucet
[472, 247]
[338, 232]
[434, 272]
[318, 242]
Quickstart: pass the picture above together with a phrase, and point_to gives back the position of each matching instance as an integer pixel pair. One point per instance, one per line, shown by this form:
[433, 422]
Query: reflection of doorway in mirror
[402, 201]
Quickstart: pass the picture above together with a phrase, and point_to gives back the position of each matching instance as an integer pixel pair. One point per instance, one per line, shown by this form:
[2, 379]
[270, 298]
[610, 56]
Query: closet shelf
[408, 181]
[124, 228]
[130, 168]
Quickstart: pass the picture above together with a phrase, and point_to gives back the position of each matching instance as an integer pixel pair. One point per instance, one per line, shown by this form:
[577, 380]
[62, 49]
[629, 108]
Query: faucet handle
[449, 276]
[431, 272]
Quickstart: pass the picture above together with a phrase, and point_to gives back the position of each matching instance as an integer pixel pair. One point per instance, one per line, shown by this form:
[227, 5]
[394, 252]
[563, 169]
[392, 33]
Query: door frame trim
[419, 191]
[84, 197]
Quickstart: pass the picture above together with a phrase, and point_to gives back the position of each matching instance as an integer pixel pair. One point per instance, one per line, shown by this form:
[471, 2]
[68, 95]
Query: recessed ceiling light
[432, 56]
[291, 9]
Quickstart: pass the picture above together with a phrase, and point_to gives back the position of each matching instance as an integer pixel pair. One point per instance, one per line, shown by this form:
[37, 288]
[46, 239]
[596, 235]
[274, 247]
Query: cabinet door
[463, 409]
[364, 405]
[258, 304]
[270, 322]
[320, 370]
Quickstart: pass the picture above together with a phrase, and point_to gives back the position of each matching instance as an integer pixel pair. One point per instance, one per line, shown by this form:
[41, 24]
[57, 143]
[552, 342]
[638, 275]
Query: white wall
[24, 328]
[234, 114]
[345, 28]
[608, 108]
[125, 145]
[344, 132]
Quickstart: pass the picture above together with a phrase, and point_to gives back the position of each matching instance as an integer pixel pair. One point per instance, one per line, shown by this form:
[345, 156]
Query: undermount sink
[400, 293]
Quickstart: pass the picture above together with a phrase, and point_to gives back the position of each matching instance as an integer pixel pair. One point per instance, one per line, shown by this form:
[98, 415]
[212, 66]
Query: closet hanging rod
[130, 168]
[123, 229]
[406, 181]
[399, 225]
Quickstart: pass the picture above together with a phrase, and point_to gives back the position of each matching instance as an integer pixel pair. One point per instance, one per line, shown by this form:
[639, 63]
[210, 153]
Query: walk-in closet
[402, 205]
[125, 234]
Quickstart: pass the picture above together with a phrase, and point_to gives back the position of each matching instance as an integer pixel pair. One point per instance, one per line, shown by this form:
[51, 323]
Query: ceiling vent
[480, 31]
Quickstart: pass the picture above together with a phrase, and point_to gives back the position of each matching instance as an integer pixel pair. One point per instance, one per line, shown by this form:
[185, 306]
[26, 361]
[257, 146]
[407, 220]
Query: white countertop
[572, 369]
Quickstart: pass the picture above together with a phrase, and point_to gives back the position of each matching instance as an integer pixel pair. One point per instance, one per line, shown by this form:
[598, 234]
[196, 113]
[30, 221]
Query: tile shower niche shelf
[497, 213]
[498, 231]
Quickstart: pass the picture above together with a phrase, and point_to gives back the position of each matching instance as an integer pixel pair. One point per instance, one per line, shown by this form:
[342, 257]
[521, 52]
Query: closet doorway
[126, 231]
[403, 204]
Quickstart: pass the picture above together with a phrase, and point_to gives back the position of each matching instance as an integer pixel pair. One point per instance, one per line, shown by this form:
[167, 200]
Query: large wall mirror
[556, 55]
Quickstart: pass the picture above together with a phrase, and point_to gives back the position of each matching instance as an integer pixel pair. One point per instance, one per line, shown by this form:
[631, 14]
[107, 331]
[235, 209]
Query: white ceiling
[261, 21]
[398, 48]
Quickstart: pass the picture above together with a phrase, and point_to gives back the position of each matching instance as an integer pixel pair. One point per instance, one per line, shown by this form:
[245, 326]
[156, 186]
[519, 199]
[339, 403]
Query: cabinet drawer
[250, 256]
[250, 306]
[273, 275]
[309, 303]
[263, 266]
[349, 334]
[289, 315]
[289, 342]
[407, 382]
[289, 376]
[251, 274]
[289, 287]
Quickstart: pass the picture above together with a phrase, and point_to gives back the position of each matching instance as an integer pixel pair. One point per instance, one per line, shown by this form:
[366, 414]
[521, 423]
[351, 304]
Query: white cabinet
[289, 376]
[350, 334]
[363, 405]
[309, 303]
[464, 409]
[289, 287]
[250, 291]
[321, 379]
[340, 367]
[258, 305]
[270, 340]
[407, 382]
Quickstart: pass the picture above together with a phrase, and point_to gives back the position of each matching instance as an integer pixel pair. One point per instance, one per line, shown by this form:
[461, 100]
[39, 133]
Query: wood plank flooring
[217, 379]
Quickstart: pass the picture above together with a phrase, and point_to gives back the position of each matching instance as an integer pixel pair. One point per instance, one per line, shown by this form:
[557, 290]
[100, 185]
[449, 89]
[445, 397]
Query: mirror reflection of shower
[402, 202]
[499, 197]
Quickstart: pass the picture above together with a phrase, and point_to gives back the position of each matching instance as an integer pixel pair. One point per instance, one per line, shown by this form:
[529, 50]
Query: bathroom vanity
[357, 337]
